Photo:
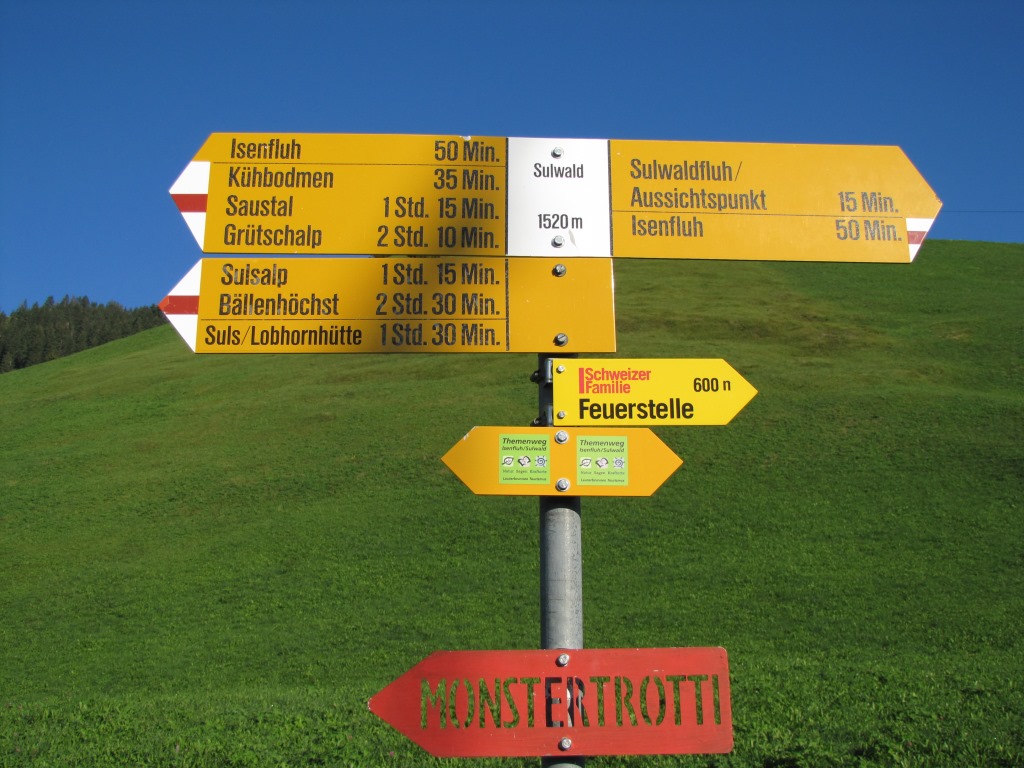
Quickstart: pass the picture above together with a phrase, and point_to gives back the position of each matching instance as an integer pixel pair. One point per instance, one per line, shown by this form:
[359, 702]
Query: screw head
[562, 660]
[557, 152]
[558, 241]
[561, 340]
[559, 270]
[561, 436]
[565, 744]
[562, 485]
[561, 414]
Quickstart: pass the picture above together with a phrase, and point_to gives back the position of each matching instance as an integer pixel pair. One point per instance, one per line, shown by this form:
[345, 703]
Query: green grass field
[216, 560]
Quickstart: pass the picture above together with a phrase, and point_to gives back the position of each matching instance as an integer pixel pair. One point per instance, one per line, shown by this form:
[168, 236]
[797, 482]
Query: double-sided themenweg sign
[647, 392]
[581, 702]
[319, 194]
[547, 461]
[446, 304]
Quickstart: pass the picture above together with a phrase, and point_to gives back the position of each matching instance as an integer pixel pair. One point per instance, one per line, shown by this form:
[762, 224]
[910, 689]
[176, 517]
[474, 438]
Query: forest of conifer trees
[42, 332]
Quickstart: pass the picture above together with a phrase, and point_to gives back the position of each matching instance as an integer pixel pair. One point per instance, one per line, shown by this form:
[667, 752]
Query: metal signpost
[561, 561]
[468, 227]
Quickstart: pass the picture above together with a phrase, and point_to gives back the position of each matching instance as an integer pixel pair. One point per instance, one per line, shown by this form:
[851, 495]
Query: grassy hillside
[216, 560]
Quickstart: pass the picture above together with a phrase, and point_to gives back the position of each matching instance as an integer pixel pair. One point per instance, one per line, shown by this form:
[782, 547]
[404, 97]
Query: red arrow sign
[657, 701]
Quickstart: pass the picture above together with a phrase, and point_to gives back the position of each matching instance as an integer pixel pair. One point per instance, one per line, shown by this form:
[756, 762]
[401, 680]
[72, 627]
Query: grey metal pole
[561, 563]
[561, 573]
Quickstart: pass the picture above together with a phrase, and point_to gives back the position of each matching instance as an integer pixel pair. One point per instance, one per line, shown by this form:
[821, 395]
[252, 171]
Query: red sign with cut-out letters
[564, 702]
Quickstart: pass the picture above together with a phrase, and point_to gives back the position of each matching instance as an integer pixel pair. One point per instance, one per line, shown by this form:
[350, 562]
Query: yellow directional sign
[548, 461]
[346, 194]
[778, 202]
[647, 392]
[389, 195]
[433, 304]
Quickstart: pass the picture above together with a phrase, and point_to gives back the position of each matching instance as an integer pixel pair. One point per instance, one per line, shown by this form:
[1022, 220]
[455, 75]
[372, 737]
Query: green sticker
[525, 459]
[602, 460]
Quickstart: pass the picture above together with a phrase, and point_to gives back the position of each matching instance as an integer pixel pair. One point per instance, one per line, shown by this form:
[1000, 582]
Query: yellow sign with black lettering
[433, 304]
[777, 202]
[347, 194]
[647, 392]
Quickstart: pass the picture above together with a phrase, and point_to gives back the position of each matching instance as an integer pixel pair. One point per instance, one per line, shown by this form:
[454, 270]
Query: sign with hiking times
[432, 304]
[647, 392]
[646, 701]
[400, 194]
[547, 461]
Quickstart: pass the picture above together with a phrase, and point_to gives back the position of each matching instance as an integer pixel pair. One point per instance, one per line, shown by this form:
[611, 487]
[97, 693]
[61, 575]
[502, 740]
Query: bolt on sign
[546, 461]
[648, 701]
[647, 392]
[388, 195]
[429, 304]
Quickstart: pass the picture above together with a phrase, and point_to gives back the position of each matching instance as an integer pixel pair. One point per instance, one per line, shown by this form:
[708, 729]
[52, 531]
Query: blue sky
[103, 103]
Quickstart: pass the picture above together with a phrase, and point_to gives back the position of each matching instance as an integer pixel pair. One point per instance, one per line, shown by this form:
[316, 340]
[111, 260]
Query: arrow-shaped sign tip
[181, 305]
[917, 231]
[190, 193]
